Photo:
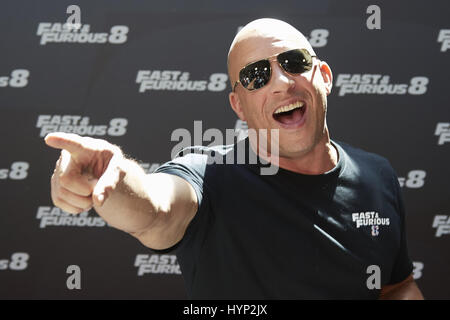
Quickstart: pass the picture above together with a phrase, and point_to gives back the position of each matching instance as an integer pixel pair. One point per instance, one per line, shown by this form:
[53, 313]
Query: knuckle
[53, 180]
[54, 201]
[64, 155]
[54, 191]
[109, 188]
[85, 203]
[62, 192]
[55, 197]
[64, 180]
[95, 144]
[68, 179]
[72, 210]
[116, 150]
[107, 152]
[57, 201]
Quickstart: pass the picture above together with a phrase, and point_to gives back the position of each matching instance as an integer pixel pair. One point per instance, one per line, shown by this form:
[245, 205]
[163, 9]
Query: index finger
[68, 141]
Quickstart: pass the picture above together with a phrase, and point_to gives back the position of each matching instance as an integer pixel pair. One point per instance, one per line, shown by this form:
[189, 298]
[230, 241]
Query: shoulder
[363, 157]
[359, 154]
[195, 160]
[205, 151]
[367, 163]
[200, 157]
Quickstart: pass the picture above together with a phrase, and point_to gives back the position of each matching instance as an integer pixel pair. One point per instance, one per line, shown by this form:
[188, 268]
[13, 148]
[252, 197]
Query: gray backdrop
[390, 96]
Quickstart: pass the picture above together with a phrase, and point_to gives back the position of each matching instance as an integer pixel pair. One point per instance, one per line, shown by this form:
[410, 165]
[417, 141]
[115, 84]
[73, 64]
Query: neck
[321, 158]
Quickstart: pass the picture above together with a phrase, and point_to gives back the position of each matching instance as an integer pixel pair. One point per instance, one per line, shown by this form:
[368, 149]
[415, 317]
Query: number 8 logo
[118, 34]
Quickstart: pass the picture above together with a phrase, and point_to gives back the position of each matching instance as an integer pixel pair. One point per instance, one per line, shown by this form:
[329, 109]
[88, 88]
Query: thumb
[107, 182]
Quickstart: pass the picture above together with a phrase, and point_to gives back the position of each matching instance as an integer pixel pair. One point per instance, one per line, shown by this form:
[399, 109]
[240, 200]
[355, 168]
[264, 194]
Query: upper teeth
[290, 107]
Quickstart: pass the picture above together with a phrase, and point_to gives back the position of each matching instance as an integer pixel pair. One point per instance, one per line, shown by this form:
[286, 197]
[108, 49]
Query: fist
[86, 172]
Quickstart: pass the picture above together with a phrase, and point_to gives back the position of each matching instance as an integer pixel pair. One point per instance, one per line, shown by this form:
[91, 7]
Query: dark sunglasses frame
[245, 70]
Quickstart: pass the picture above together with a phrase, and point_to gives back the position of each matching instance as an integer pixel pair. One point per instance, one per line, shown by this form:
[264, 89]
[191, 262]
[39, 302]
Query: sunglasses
[257, 74]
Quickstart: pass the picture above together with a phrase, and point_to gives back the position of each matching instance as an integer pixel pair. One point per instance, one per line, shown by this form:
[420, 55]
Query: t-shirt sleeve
[190, 167]
[403, 265]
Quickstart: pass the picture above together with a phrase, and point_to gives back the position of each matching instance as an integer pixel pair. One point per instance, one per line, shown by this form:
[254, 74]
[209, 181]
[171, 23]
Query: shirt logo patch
[370, 218]
[375, 231]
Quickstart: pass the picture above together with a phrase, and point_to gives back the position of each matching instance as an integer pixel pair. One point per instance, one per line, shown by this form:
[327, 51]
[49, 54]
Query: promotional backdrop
[135, 71]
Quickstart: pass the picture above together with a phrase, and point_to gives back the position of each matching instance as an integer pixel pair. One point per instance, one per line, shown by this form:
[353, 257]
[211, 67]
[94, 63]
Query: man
[312, 230]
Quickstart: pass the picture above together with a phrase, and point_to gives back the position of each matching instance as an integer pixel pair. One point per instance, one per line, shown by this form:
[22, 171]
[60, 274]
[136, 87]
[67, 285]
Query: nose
[281, 80]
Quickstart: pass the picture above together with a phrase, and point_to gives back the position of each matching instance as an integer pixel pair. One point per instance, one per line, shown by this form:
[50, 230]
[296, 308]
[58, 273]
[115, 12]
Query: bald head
[261, 36]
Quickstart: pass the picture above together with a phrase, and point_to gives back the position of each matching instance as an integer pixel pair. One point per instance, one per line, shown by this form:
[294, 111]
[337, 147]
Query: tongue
[289, 117]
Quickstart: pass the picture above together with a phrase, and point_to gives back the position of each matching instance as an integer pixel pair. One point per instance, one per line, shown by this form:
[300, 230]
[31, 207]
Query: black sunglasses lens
[255, 75]
[295, 61]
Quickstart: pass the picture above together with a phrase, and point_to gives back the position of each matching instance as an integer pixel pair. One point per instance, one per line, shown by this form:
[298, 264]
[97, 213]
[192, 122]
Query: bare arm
[405, 290]
[154, 208]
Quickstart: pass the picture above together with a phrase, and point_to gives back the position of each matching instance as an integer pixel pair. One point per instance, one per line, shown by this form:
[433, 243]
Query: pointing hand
[87, 170]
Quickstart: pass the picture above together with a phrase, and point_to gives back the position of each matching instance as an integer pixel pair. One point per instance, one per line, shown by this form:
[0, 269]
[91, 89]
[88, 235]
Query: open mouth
[291, 114]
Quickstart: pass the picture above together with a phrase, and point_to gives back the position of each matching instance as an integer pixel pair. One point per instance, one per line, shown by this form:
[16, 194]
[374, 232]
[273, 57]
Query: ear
[235, 103]
[327, 76]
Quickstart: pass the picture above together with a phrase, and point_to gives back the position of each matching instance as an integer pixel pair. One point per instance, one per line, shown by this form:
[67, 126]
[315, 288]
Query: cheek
[254, 107]
[319, 88]
[318, 93]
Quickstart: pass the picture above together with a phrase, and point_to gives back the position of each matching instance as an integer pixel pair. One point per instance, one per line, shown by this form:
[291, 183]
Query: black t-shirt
[290, 235]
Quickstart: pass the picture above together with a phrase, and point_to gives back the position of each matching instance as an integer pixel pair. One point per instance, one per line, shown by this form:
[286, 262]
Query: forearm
[129, 207]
